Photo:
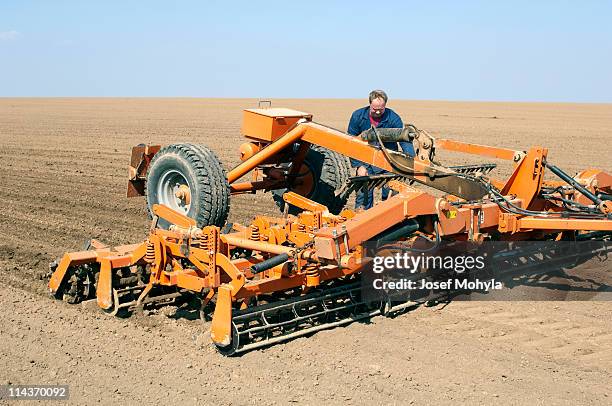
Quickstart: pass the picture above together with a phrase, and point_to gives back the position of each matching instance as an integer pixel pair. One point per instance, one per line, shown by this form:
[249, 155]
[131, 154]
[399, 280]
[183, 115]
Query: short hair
[375, 94]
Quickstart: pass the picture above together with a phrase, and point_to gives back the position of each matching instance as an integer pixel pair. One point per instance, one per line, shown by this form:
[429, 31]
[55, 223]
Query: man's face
[377, 108]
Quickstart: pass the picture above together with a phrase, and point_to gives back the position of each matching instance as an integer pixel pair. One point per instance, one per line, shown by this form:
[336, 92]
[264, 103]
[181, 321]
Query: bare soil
[64, 166]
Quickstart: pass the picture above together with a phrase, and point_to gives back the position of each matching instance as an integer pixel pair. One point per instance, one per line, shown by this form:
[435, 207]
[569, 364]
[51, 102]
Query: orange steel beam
[356, 148]
[320, 135]
[529, 223]
[476, 149]
[345, 144]
[244, 187]
[173, 216]
[350, 146]
[459, 220]
[371, 222]
[268, 285]
[272, 149]
[303, 202]
[255, 245]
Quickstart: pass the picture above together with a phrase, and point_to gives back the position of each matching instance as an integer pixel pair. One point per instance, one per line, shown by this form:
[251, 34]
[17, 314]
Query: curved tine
[264, 319]
[352, 296]
[294, 311]
[115, 302]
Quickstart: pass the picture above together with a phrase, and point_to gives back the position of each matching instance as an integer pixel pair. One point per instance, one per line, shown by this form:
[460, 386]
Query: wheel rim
[305, 184]
[173, 190]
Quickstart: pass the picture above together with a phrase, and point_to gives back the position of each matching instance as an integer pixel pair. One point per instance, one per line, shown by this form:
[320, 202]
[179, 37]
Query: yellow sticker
[451, 214]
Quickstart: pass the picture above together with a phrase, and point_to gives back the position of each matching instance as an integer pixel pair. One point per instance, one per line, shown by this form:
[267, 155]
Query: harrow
[281, 277]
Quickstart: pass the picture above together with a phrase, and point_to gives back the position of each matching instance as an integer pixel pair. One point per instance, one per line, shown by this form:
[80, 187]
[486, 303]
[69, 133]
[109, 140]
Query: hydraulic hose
[269, 263]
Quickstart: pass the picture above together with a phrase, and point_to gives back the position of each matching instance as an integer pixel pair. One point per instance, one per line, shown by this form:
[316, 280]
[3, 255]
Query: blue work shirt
[360, 122]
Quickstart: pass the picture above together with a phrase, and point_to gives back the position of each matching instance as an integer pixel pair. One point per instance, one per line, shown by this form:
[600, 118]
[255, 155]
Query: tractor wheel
[189, 179]
[322, 173]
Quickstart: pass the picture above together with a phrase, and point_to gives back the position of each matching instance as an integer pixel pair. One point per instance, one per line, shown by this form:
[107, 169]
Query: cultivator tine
[358, 183]
[477, 169]
[120, 296]
[131, 298]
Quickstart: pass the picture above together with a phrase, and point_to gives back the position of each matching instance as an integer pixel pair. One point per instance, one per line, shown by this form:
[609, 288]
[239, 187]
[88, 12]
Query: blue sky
[461, 50]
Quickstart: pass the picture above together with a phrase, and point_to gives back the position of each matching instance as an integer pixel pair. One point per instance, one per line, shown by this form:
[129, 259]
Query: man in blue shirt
[379, 116]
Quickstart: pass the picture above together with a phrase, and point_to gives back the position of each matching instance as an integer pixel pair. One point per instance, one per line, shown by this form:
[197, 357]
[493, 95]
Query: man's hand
[362, 171]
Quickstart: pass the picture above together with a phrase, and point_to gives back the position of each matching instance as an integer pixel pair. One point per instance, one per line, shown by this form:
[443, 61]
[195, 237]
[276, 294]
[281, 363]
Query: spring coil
[312, 276]
[195, 242]
[254, 232]
[150, 254]
[312, 271]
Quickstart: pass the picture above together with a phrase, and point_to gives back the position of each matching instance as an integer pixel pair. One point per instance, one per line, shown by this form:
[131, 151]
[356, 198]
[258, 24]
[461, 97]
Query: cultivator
[282, 277]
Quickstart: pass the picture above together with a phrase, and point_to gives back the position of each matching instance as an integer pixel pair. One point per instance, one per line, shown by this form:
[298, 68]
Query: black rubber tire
[207, 181]
[331, 170]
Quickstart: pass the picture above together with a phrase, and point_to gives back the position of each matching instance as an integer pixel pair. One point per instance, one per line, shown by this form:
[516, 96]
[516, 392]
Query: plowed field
[64, 167]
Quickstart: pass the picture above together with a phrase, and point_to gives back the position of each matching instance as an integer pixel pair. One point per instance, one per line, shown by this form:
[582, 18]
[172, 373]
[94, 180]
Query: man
[379, 116]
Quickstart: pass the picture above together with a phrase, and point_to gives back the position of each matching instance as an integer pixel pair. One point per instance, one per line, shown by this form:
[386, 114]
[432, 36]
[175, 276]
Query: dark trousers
[365, 198]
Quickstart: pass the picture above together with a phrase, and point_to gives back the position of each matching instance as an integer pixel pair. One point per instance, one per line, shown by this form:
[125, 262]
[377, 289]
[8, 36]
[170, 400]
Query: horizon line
[391, 100]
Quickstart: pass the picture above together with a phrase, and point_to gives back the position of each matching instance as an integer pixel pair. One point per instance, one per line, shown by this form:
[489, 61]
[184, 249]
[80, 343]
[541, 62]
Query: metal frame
[317, 246]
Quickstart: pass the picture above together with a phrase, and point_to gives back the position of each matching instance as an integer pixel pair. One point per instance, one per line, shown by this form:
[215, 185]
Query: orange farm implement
[281, 277]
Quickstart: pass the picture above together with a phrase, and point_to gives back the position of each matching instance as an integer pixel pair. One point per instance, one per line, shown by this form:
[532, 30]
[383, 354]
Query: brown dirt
[64, 170]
